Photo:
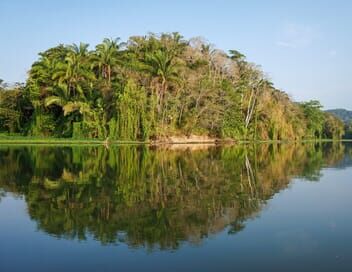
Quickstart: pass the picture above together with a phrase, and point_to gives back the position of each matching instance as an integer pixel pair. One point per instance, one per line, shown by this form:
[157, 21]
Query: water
[190, 208]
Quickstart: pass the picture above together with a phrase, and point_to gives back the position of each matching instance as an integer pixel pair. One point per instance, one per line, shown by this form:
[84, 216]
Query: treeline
[153, 87]
[346, 117]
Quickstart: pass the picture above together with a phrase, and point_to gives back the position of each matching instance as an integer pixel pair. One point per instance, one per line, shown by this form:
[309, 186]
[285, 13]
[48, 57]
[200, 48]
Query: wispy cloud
[285, 44]
[294, 35]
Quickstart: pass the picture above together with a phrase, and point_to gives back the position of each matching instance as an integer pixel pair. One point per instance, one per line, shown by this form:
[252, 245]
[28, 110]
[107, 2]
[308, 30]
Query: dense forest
[346, 117]
[151, 88]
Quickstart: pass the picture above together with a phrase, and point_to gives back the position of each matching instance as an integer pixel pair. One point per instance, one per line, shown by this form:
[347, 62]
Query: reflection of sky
[304, 46]
[309, 223]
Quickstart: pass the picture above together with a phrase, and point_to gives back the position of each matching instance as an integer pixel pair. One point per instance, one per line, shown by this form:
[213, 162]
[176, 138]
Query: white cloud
[285, 44]
[294, 35]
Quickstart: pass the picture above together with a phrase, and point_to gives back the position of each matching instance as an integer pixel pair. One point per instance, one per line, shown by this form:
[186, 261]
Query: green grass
[18, 139]
[45, 140]
[15, 139]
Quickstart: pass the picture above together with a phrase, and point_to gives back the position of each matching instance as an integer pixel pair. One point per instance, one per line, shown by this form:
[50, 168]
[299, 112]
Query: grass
[19, 140]
[15, 139]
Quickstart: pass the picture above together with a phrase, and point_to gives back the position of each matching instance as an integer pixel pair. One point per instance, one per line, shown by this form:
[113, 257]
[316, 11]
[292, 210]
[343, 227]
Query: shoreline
[8, 140]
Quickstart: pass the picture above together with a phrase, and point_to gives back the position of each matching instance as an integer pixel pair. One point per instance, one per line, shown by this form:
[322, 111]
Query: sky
[304, 47]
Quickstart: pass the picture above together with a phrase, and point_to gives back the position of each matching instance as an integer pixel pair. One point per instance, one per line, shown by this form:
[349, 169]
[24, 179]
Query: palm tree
[59, 96]
[74, 71]
[162, 65]
[106, 57]
[80, 50]
[91, 115]
[237, 56]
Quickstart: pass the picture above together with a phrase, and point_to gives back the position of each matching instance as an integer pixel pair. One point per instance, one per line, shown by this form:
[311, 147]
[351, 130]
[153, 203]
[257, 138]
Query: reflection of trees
[154, 197]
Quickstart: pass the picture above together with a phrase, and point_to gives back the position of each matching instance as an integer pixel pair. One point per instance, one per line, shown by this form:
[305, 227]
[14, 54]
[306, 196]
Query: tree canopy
[154, 87]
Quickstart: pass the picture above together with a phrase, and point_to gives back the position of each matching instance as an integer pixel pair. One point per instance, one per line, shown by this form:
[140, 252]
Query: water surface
[195, 208]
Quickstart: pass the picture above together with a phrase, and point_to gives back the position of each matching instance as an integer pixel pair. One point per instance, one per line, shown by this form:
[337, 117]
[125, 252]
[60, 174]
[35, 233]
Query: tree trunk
[109, 75]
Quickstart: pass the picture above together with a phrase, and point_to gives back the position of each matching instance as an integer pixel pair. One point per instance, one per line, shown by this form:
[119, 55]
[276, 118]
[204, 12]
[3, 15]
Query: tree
[75, 71]
[15, 110]
[132, 114]
[314, 118]
[164, 68]
[106, 57]
[333, 127]
[154, 87]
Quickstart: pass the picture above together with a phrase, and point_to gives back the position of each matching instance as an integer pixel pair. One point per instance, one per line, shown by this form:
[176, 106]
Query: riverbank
[4, 140]
[27, 140]
[192, 139]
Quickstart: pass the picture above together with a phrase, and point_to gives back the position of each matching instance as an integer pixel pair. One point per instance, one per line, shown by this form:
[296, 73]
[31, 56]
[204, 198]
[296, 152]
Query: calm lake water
[195, 208]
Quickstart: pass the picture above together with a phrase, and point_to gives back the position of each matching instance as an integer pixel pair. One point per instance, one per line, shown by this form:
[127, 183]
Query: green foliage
[112, 125]
[43, 125]
[77, 131]
[314, 117]
[333, 127]
[15, 109]
[132, 114]
[153, 87]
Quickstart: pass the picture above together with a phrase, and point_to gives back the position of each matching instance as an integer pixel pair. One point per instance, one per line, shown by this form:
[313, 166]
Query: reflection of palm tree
[155, 198]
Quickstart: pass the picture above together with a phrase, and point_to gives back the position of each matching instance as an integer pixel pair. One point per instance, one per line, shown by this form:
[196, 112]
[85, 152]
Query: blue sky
[303, 46]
